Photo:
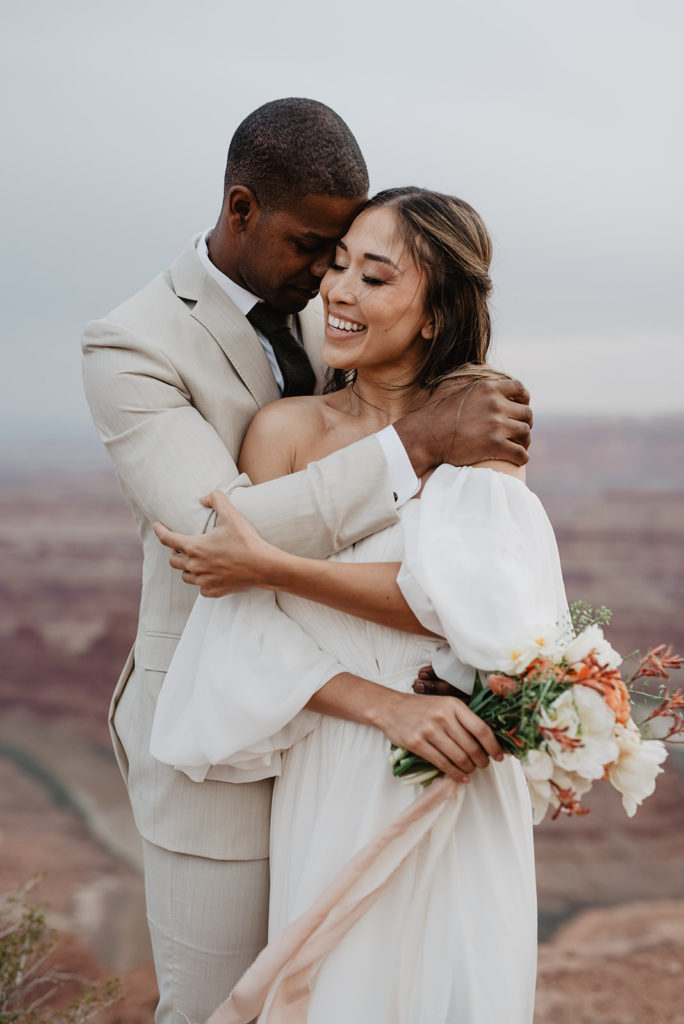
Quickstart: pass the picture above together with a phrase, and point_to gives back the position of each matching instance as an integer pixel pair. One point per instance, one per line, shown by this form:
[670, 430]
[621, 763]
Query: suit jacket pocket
[155, 650]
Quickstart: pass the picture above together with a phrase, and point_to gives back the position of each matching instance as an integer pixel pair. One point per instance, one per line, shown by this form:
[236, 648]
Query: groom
[173, 377]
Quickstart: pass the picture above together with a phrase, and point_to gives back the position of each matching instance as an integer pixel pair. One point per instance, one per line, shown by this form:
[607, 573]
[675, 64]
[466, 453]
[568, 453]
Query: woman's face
[374, 300]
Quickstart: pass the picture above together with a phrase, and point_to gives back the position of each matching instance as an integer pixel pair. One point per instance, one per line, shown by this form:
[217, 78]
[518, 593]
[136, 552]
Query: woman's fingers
[435, 756]
[221, 505]
[478, 732]
[168, 537]
[221, 561]
[444, 753]
[472, 755]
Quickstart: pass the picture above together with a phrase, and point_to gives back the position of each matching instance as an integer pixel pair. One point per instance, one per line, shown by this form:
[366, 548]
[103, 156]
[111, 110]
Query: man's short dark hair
[291, 148]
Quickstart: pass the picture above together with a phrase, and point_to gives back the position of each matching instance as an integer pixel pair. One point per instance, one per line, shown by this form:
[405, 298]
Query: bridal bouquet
[564, 709]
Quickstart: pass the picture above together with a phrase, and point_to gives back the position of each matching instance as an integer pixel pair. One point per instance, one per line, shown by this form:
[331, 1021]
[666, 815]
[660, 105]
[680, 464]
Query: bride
[388, 905]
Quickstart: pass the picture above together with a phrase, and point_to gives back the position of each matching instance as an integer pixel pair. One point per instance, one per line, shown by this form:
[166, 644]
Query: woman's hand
[443, 730]
[230, 557]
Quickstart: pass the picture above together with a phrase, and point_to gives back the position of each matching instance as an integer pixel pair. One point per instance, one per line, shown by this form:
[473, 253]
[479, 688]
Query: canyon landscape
[611, 889]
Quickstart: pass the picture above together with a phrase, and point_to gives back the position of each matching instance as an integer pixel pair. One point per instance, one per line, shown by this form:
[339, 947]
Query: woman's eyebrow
[372, 256]
[379, 259]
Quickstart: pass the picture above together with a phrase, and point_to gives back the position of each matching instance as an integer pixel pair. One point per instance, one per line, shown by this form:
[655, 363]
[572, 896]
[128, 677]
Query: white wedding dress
[451, 936]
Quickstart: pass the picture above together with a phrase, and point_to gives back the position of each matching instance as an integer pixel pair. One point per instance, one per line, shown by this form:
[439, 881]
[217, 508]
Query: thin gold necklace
[362, 399]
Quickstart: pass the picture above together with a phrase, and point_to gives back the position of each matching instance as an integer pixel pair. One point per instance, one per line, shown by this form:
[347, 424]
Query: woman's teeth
[344, 325]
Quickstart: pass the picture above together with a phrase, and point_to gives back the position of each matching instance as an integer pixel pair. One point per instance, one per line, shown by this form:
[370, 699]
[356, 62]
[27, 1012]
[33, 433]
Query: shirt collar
[243, 299]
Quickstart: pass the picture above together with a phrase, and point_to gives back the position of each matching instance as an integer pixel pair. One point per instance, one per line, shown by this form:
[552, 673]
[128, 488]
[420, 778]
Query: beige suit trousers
[208, 919]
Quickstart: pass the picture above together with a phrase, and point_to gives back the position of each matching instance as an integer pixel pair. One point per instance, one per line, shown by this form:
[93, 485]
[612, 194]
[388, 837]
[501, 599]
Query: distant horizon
[61, 429]
[73, 449]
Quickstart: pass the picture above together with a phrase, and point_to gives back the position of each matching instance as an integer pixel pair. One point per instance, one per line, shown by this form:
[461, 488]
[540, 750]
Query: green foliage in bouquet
[512, 716]
[582, 615]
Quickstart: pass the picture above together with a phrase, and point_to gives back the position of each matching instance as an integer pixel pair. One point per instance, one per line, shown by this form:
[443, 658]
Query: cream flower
[591, 640]
[578, 729]
[634, 771]
[538, 769]
[579, 784]
[543, 644]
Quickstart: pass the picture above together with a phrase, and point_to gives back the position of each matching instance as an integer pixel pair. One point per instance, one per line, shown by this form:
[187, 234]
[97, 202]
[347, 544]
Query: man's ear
[242, 208]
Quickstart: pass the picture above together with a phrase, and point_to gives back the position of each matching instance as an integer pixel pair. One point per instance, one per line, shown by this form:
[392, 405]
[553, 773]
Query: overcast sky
[560, 122]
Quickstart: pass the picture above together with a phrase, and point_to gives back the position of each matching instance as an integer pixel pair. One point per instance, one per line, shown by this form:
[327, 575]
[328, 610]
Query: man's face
[283, 254]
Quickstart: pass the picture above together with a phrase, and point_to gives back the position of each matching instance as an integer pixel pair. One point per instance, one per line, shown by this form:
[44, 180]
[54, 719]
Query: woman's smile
[338, 325]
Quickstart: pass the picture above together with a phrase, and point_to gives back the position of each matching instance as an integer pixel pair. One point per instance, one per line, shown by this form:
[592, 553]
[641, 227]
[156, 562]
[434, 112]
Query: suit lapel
[219, 315]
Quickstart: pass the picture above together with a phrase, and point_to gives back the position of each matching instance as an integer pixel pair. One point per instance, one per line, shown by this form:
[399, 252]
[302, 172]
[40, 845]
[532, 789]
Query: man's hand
[443, 730]
[465, 423]
[428, 682]
[230, 557]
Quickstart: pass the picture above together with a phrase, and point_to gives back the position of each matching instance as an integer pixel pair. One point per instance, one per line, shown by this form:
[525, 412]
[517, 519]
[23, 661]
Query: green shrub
[30, 977]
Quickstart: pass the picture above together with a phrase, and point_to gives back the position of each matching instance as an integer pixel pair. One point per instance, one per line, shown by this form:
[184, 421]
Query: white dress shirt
[404, 481]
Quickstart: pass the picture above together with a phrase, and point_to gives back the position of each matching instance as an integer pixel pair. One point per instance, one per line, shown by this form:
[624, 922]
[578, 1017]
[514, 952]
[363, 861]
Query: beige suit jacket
[173, 377]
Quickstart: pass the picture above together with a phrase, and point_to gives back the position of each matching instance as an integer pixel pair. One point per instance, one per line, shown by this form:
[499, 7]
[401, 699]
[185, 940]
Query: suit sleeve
[167, 456]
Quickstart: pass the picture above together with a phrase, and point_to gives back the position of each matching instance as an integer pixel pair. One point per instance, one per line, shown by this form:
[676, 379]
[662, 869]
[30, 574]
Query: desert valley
[611, 889]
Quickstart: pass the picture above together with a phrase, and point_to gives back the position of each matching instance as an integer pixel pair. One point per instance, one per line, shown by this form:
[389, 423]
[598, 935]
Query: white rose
[607, 656]
[538, 769]
[634, 771]
[579, 732]
[592, 639]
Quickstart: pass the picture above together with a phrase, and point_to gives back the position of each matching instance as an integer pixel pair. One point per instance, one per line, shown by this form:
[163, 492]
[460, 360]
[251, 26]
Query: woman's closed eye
[366, 278]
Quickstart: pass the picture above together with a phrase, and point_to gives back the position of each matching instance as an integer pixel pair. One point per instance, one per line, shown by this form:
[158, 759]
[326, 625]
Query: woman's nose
[339, 287]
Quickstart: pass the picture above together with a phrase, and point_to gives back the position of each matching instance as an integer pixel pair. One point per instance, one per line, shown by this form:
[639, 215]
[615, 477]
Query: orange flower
[541, 666]
[607, 682]
[568, 801]
[502, 685]
[670, 707]
[658, 660]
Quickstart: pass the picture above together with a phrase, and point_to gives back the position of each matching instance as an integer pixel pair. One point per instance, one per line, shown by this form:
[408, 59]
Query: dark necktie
[293, 361]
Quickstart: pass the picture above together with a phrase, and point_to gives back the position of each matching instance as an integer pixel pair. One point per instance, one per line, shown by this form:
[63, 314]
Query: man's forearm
[325, 508]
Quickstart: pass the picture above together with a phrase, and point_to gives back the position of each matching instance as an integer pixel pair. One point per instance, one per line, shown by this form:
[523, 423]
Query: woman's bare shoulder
[300, 414]
[278, 432]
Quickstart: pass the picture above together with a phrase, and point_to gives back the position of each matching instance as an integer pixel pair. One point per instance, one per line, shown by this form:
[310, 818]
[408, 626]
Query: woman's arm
[367, 590]
[277, 439]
